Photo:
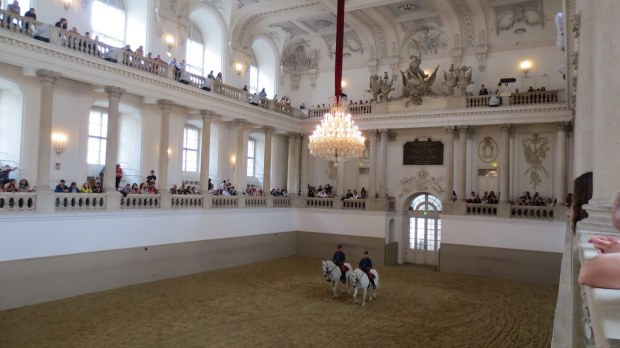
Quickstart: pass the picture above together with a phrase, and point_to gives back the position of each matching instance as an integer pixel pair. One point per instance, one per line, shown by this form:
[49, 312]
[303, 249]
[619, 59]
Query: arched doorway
[424, 229]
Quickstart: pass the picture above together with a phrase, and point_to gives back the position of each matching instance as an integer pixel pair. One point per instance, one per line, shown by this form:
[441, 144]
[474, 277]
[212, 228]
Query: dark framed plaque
[423, 153]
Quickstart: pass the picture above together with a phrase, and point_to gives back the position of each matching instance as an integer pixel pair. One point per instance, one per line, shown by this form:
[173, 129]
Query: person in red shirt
[119, 175]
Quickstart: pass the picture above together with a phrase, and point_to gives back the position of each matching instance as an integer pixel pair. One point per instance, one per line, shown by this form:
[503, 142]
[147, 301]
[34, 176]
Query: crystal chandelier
[337, 138]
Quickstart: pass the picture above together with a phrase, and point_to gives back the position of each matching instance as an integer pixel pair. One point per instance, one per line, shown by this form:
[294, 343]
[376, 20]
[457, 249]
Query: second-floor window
[253, 87]
[97, 136]
[194, 55]
[190, 149]
[108, 21]
[251, 156]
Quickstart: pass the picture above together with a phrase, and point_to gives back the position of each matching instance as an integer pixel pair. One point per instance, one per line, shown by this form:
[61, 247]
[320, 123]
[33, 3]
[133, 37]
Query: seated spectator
[135, 189]
[62, 23]
[143, 188]
[111, 55]
[494, 101]
[74, 188]
[174, 190]
[125, 190]
[61, 187]
[245, 88]
[11, 186]
[86, 188]
[42, 33]
[302, 106]
[4, 174]
[24, 186]
[363, 193]
[97, 188]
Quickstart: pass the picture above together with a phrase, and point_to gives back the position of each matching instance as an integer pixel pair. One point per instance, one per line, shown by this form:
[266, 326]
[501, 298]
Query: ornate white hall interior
[455, 98]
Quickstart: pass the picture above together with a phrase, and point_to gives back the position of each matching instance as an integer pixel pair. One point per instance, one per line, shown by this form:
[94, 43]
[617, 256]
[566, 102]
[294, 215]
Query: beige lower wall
[37, 280]
[522, 265]
[31, 281]
[323, 245]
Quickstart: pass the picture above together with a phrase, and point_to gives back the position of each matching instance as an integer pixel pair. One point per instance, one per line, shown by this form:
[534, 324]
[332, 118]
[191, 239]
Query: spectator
[245, 88]
[42, 33]
[24, 186]
[61, 187]
[11, 186]
[483, 90]
[494, 100]
[219, 77]
[97, 188]
[14, 8]
[262, 93]
[4, 174]
[210, 76]
[62, 23]
[86, 188]
[119, 175]
[74, 188]
[150, 180]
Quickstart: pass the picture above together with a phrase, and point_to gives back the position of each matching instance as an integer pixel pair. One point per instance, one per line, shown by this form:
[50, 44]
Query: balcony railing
[80, 201]
[224, 201]
[523, 98]
[186, 201]
[359, 204]
[532, 212]
[18, 202]
[138, 201]
[481, 209]
[85, 45]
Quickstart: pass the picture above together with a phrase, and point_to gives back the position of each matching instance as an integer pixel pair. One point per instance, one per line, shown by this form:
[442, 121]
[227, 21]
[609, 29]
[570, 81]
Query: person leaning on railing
[603, 270]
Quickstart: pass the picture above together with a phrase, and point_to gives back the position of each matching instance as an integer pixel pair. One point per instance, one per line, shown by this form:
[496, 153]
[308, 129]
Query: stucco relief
[535, 150]
[518, 17]
[487, 150]
[428, 40]
[421, 182]
[298, 56]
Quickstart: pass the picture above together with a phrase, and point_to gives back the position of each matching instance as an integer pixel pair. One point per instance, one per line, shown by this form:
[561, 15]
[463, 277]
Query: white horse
[359, 280]
[332, 273]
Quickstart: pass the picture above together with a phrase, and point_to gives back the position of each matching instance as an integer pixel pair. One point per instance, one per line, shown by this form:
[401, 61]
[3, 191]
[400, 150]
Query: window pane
[253, 79]
[103, 145]
[192, 161]
[250, 171]
[194, 57]
[108, 23]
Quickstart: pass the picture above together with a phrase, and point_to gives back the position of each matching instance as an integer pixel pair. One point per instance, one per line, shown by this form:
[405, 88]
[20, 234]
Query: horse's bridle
[328, 271]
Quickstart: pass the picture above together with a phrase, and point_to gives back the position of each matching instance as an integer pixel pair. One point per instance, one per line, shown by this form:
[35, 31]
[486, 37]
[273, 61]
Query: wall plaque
[423, 153]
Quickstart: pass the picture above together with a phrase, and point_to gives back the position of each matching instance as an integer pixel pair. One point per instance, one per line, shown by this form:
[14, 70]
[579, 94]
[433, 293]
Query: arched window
[424, 229]
[253, 79]
[265, 66]
[251, 156]
[190, 149]
[97, 136]
[108, 21]
[194, 55]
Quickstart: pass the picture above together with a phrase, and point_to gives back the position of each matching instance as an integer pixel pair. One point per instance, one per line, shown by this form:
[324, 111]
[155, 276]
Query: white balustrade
[312, 202]
[141, 201]
[481, 209]
[79, 201]
[224, 201]
[359, 204]
[477, 101]
[186, 201]
[538, 97]
[531, 212]
[18, 202]
[255, 201]
[281, 202]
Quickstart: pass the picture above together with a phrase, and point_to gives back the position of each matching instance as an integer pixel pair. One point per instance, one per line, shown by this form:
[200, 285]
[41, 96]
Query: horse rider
[366, 266]
[339, 259]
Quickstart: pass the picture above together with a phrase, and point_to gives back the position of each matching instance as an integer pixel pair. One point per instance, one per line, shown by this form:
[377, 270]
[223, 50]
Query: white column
[449, 160]
[560, 173]
[382, 177]
[48, 81]
[267, 160]
[207, 117]
[304, 166]
[111, 155]
[372, 170]
[241, 171]
[297, 168]
[340, 184]
[290, 176]
[462, 194]
[164, 144]
[504, 163]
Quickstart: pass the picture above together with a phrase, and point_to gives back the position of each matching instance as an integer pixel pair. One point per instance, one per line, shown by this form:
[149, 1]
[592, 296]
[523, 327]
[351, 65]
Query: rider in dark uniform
[366, 266]
[339, 259]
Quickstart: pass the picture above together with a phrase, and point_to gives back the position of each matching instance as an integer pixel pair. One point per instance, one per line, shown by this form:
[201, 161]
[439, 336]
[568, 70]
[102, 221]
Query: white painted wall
[502, 233]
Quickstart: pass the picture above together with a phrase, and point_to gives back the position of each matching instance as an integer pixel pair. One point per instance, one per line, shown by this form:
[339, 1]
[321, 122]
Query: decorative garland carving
[531, 15]
[298, 57]
[352, 42]
[376, 29]
[535, 151]
[428, 40]
[467, 22]
[421, 182]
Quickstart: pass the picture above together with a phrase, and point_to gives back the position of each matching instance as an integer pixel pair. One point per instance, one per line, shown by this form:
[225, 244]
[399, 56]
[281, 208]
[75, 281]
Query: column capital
[450, 130]
[47, 77]
[464, 129]
[114, 92]
[392, 135]
[372, 133]
[562, 126]
[506, 127]
[165, 104]
[383, 131]
[240, 122]
[294, 136]
[207, 115]
[268, 129]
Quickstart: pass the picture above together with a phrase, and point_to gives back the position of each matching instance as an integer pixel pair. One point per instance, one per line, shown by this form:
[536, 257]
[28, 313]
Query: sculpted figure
[386, 86]
[464, 79]
[450, 79]
[416, 82]
[375, 87]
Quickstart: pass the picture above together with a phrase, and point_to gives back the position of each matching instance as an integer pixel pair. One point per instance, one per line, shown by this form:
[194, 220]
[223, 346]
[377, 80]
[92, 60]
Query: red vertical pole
[339, 43]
